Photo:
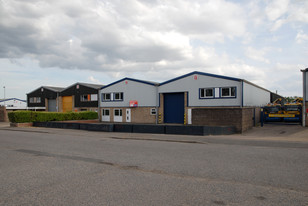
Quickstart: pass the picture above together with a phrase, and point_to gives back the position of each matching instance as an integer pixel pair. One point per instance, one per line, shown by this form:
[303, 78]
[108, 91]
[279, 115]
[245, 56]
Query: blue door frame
[174, 108]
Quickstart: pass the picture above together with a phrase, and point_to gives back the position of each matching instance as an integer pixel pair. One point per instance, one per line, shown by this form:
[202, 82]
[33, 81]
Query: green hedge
[31, 116]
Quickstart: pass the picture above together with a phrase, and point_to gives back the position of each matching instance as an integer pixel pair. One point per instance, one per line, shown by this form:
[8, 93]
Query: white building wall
[194, 82]
[255, 96]
[145, 94]
[14, 104]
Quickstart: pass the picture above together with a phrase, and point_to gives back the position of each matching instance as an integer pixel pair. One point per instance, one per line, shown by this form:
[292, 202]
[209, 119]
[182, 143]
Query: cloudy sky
[59, 43]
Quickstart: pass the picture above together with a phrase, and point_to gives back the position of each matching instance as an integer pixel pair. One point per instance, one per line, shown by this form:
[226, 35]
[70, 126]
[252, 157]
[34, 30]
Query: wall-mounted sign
[195, 77]
[133, 103]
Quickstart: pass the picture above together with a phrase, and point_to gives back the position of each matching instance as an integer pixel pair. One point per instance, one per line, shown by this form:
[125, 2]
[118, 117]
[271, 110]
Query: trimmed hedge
[31, 116]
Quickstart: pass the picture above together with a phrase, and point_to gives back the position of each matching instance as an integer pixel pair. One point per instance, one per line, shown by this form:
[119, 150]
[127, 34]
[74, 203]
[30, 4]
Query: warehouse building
[305, 97]
[79, 97]
[196, 98]
[129, 100]
[13, 104]
[44, 98]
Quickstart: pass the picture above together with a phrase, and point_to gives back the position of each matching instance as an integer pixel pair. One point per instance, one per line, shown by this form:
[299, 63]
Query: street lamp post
[4, 95]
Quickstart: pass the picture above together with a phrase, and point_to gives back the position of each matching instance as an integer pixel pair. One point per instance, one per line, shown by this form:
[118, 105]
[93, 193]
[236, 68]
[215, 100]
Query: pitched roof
[9, 99]
[131, 79]
[213, 75]
[201, 73]
[51, 88]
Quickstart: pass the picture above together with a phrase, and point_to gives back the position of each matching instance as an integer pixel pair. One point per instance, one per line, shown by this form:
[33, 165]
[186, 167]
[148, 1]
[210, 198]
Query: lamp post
[4, 95]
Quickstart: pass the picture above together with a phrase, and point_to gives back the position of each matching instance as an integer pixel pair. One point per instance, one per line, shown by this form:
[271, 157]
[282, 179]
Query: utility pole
[4, 95]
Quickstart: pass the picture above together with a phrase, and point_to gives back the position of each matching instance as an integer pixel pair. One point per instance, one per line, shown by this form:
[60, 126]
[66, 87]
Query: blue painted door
[174, 108]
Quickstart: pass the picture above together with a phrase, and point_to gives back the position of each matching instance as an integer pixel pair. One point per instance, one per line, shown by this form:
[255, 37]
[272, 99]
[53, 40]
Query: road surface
[41, 166]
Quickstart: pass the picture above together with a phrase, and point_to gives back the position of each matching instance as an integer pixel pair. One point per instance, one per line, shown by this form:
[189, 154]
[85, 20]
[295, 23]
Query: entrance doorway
[174, 108]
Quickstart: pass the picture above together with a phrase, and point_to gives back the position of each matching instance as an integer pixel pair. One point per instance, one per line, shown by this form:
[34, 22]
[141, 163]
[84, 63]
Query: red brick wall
[3, 115]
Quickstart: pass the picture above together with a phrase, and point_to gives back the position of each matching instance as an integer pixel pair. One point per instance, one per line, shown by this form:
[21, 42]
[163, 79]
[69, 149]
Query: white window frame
[35, 99]
[120, 96]
[230, 92]
[82, 98]
[106, 117]
[119, 117]
[104, 97]
[153, 111]
[204, 96]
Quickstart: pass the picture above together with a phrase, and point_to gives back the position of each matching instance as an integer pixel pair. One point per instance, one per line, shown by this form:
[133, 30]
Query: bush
[31, 116]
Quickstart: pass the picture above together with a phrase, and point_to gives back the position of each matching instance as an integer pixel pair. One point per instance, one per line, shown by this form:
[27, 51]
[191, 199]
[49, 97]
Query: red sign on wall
[133, 103]
[195, 77]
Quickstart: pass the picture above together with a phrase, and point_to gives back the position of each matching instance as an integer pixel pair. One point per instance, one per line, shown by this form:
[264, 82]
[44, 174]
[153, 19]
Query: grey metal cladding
[193, 82]
[145, 94]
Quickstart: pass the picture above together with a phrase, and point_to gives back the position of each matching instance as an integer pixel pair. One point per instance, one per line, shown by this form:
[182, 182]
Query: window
[106, 97]
[106, 112]
[228, 92]
[118, 112]
[84, 98]
[207, 93]
[153, 111]
[88, 97]
[35, 99]
[118, 96]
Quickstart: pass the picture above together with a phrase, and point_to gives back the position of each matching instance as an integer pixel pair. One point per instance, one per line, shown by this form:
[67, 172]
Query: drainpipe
[57, 101]
[157, 103]
[304, 98]
[98, 105]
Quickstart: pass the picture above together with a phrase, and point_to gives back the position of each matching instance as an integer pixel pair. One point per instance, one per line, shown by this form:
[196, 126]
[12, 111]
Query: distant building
[13, 104]
[44, 98]
[305, 97]
[79, 97]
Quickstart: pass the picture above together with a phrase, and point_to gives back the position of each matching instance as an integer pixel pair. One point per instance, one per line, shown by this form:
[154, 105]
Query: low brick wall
[26, 124]
[3, 114]
[241, 118]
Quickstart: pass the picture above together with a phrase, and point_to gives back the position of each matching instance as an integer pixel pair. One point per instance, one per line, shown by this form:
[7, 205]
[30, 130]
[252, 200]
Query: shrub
[31, 116]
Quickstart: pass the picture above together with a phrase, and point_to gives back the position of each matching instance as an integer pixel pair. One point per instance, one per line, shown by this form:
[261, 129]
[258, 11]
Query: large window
[115, 96]
[118, 96]
[228, 92]
[106, 97]
[207, 93]
[35, 99]
[88, 97]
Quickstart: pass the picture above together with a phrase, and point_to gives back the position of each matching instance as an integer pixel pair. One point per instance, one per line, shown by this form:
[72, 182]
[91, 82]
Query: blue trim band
[131, 79]
[203, 74]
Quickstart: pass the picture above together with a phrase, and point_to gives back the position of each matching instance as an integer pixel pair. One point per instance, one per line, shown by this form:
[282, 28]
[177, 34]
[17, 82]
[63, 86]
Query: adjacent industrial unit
[13, 104]
[79, 97]
[129, 100]
[44, 98]
[196, 98]
[305, 98]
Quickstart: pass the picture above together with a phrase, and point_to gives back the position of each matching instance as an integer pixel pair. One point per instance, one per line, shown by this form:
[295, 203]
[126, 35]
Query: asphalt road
[71, 167]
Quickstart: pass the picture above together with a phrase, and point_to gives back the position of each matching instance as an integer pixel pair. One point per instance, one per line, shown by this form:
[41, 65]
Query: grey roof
[95, 86]
[55, 89]
[51, 88]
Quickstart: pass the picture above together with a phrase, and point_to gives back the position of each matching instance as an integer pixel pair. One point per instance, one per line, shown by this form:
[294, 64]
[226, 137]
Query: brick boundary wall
[241, 118]
[3, 114]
